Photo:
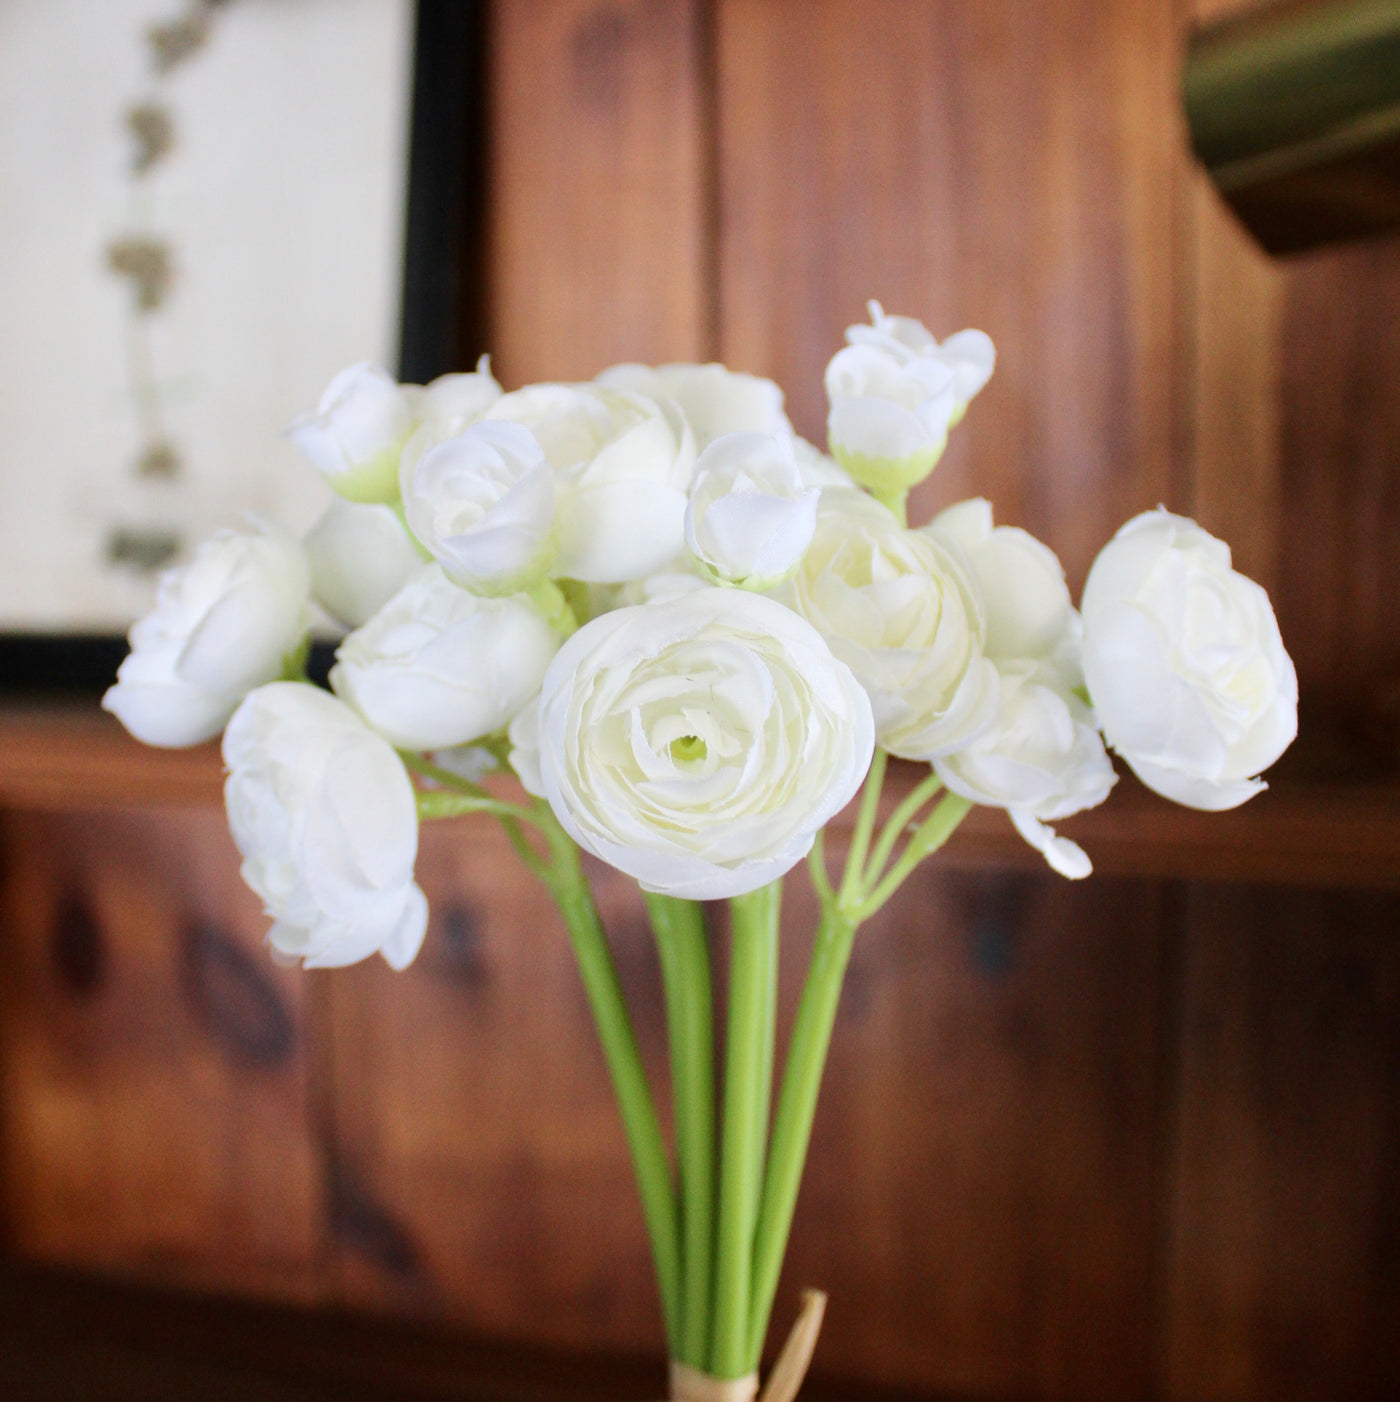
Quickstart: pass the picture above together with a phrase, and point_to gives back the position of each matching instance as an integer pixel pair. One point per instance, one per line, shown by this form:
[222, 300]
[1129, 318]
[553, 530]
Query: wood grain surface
[1128, 1139]
[599, 187]
[154, 1087]
[1013, 167]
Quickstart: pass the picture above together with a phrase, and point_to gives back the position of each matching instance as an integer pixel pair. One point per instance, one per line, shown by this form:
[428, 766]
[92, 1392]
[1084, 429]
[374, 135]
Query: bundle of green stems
[719, 1215]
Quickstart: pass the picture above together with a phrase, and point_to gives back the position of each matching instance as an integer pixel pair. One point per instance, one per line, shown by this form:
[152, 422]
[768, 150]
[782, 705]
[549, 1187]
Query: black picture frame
[442, 307]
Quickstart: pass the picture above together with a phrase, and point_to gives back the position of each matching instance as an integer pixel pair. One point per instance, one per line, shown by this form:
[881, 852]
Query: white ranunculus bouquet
[694, 638]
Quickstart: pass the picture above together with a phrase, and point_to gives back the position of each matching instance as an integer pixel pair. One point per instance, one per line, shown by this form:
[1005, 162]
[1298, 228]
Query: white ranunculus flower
[900, 609]
[623, 464]
[324, 815]
[890, 416]
[470, 762]
[1030, 616]
[450, 402]
[714, 400]
[355, 436]
[223, 624]
[482, 502]
[360, 557]
[970, 355]
[524, 734]
[1041, 759]
[700, 744]
[1183, 659]
[819, 469]
[749, 518]
[679, 577]
[438, 666]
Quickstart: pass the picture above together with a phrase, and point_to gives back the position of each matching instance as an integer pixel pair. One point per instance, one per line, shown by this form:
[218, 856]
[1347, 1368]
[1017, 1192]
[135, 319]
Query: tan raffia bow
[691, 1385]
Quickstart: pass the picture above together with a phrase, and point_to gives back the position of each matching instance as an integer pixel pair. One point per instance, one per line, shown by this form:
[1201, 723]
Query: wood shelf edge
[68, 757]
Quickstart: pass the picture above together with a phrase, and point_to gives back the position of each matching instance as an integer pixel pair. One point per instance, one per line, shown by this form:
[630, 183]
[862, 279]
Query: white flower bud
[1183, 659]
[1030, 616]
[222, 624]
[970, 355]
[482, 502]
[451, 402]
[889, 417]
[357, 432]
[360, 556]
[714, 400]
[324, 816]
[749, 519]
[622, 464]
[1041, 759]
[438, 666]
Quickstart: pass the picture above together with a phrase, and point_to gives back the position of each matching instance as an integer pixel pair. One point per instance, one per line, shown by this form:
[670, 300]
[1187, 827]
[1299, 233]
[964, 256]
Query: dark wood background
[1127, 1139]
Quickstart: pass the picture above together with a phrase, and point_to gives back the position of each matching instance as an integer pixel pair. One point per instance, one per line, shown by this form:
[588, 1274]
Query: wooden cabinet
[1125, 1139]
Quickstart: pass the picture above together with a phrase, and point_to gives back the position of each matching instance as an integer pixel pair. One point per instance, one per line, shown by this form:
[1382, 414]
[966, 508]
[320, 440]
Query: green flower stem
[896, 500]
[554, 607]
[935, 830]
[898, 821]
[792, 1125]
[294, 663]
[457, 795]
[442, 803]
[569, 885]
[685, 972]
[865, 826]
[816, 1016]
[748, 1083]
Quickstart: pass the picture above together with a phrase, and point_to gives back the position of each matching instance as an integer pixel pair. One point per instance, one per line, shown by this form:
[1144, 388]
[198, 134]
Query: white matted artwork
[201, 220]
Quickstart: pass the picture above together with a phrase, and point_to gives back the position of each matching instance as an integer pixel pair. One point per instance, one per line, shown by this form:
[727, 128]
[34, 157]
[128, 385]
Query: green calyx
[886, 476]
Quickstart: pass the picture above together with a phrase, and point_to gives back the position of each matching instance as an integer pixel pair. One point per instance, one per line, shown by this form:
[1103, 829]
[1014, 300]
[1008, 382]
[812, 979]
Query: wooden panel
[153, 1061]
[1011, 166]
[599, 186]
[1284, 1275]
[1299, 833]
[481, 1158]
[1296, 461]
[1235, 390]
[1340, 489]
[979, 1197]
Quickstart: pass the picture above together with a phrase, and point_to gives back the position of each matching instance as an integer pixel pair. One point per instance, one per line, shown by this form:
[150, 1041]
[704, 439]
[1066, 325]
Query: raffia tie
[691, 1385]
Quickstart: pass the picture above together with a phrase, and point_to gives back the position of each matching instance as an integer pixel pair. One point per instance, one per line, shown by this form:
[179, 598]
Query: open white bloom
[1041, 759]
[970, 355]
[714, 400]
[700, 744]
[357, 432]
[900, 609]
[749, 518]
[360, 557]
[222, 624]
[482, 502]
[324, 815]
[623, 465]
[438, 666]
[1183, 659]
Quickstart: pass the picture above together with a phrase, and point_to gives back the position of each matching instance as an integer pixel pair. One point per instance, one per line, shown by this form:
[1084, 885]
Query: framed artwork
[207, 207]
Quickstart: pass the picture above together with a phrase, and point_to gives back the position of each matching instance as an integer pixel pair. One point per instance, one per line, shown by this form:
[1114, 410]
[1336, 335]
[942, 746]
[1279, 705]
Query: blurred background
[1135, 1138]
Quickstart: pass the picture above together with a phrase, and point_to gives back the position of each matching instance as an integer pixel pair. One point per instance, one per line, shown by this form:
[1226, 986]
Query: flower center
[688, 749]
